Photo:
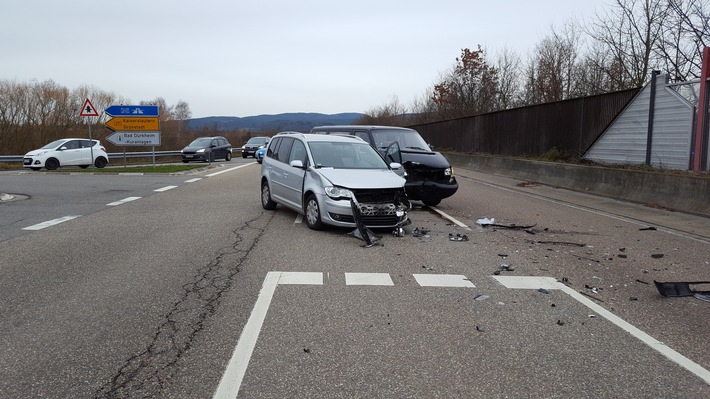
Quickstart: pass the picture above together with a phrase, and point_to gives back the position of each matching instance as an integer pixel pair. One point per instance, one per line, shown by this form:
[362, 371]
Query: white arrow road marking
[550, 283]
[40, 226]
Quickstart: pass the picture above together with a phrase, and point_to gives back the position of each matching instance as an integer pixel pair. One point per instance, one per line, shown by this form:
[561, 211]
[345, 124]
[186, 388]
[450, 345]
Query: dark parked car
[251, 146]
[207, 149]
[430, 177]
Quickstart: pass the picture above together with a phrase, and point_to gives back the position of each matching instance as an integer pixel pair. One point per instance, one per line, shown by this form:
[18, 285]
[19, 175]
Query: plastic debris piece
[651, 228]
[420, 232]
[656, 256]
[481, 297]
[703, 297]
[458, 237]
[675, 289]
[485, 221]
[560, 323]
[543, 290]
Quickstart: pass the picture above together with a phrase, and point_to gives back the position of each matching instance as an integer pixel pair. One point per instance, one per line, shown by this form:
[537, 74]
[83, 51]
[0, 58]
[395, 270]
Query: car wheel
[431, 203]
[313, 219]
[266, 201]
[83, 166]
[258, 160]
[244, 155]
[229, 156]
[100, 162]
[51, 164]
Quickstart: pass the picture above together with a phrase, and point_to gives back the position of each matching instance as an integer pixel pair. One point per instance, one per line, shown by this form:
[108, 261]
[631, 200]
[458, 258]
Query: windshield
[258, 140]
[202, 142]
[53, 145]
[346, 156]
[407, 139]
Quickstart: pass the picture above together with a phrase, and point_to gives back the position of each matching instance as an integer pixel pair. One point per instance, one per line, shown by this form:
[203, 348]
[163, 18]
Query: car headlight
[448, 171]
[338, 192]
[200, 151]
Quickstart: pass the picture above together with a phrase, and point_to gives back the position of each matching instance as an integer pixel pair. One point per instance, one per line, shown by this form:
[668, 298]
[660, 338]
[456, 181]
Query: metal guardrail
[112, 155]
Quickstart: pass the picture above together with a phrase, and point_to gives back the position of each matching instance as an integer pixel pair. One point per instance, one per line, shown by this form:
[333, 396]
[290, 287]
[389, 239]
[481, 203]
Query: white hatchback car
[335, 180]
[67, 152]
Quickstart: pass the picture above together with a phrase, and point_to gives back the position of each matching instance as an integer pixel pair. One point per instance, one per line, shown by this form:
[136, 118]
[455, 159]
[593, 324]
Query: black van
[430, 177]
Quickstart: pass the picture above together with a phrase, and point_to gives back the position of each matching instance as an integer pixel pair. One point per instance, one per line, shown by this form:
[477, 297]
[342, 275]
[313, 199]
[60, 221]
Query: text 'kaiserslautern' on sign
[132, 110]
[133, 124]
[138, 138]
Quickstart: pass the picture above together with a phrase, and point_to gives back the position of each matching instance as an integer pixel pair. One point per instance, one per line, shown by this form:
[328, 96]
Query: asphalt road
[192, 290]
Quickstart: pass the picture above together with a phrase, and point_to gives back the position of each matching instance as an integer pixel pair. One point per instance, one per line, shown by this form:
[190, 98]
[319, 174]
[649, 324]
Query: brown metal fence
[571, 126]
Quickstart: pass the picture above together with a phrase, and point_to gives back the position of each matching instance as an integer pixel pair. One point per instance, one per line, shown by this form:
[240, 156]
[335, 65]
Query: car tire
[100, 162]
[229, 156]
[51, 164]
[266, 201]
[244, 155]
[313, 218]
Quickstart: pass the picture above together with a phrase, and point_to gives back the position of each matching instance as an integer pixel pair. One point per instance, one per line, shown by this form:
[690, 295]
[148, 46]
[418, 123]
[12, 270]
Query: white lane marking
[166, 188]
[449, 217]
[193, 180]
[40, 226]
[123, 201]
[299, 218]
[619, 322]
[230, 169]
[237, 366]
[368, 279]
[130, 174]
[443, 280]
[307, 278]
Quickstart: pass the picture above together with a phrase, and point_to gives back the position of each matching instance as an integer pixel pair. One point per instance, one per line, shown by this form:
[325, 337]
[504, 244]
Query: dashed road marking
[193, 180]
[368, 279]
[123, 201]
[163, 189]
[443, 280]
[40, 226]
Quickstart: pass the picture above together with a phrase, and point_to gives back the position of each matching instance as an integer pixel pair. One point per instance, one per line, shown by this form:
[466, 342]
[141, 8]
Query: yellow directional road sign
[133, 124]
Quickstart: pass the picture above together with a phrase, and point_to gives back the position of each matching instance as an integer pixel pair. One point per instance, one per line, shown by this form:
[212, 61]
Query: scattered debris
[306, 350]
[633, 298]
[543, 290]
[485, 221]
[622, 256]
[479, 329]
[560, 323]
[458, 237]
[420, 232]
[651, 228]
[656, 256]
[703, 297]
[591, 296]
[676, 289]
[481, 297]
[574, 244]
[398, 232]
[642, 282]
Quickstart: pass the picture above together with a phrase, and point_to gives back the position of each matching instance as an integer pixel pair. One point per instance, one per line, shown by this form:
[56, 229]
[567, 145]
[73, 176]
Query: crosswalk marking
[443, 280]
[368, 279]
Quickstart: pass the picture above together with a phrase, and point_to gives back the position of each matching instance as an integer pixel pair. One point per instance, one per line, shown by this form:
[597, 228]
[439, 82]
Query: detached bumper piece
[398, 208]
[676, 289]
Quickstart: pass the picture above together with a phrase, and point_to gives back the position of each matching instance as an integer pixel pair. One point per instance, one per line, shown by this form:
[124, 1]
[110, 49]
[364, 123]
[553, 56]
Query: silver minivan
[333, 180]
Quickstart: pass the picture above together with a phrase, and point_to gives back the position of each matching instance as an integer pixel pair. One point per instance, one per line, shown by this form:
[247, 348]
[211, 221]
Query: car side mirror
[395, 165]
[62, 148]
[297, 163]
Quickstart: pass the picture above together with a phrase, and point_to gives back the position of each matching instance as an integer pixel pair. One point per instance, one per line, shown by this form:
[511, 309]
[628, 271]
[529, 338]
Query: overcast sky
[243, 58]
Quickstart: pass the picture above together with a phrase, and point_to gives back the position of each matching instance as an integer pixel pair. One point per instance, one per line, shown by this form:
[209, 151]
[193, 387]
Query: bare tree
[508, 90]
[686, 32]
[630, 31]
[393, 113]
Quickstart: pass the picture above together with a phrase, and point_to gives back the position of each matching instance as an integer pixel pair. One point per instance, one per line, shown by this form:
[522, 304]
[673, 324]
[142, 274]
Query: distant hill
[299, 121]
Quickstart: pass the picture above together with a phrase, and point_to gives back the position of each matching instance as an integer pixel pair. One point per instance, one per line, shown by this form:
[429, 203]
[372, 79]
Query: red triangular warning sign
[88, 109]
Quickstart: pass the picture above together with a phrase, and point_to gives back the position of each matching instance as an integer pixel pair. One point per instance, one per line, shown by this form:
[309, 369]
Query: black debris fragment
[543, 290]
[651, 228]
[656, 256]
[641, 281]
[306, 350]
[479, 329]
[573, 244]
[458, 237]
[420, 232]
[676, 289]
[633, 298]
[560, 323]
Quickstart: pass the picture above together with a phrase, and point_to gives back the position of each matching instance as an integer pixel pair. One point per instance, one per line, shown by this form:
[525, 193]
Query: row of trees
[35, 113]
[616, 50]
